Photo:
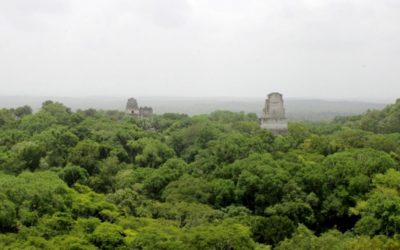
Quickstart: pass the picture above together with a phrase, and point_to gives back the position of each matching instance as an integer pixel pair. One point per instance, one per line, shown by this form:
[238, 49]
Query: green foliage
[187, 214]
[154, 237]
[7, 119]
[8, 215]
[147, 152]
[56, 224]
[22, 111]
[383, 121]
[107, 236]
[34, 195]
[226, 149]
[304, 239]
[380, 212]
[56, 141]
[227, 235]
[102, 180]
[258, 180]
[187, 188]
[158, 179]
[88, 203]
[72, 174]
[73, 242]
[187, 142]
[86, 154]
[271, 230]
[25, 155]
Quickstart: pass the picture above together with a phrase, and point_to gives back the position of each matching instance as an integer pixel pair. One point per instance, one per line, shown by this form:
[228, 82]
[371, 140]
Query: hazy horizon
[261, 98]
[296, 109]
[334, 49]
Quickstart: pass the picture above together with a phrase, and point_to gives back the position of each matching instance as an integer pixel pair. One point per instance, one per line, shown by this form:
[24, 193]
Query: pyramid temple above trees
[133, 109]
[273, 117]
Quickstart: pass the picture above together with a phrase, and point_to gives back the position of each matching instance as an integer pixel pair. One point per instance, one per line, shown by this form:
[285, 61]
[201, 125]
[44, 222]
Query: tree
[33, 195]
[26, 155]
[187, 188]
[271, 230]
[8, 216]
[187, 214]
[86, 154]
[104, 181]
[304, 239]
[227, 235]
[108, 236]
[155, 234]
[380, 212]
[347, 176]
[72, 174]
[56, 141]
[148, 152]
[7, 119]
[101, 180]
[188, 141]
[23, 111]
[155, 182]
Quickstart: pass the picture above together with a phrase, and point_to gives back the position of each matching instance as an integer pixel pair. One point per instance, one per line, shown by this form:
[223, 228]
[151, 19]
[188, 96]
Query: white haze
[332, 49]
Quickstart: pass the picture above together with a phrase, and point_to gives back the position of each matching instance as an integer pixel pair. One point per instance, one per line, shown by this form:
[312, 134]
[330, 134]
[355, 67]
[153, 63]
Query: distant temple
[132, 108]
[273, 117]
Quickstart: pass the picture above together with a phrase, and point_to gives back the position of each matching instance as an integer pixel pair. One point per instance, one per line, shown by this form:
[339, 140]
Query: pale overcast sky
[341, 49]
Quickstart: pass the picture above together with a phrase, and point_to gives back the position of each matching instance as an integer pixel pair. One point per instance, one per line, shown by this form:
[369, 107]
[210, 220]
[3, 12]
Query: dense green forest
[102, 180]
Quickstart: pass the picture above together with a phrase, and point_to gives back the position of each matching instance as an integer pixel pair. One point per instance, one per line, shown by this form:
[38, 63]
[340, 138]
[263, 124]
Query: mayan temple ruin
[273, 117]
[133, 109]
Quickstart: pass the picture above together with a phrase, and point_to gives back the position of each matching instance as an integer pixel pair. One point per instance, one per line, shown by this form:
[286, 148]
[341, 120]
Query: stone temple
[273, 117]
[133, 109]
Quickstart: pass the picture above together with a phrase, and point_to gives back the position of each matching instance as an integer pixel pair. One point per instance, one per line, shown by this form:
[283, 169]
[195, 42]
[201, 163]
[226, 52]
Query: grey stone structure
[145, 111]
[273, 117]
[133, 109]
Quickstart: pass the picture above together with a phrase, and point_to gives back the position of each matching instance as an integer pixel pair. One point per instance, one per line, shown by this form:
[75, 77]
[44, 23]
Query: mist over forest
[296, 108]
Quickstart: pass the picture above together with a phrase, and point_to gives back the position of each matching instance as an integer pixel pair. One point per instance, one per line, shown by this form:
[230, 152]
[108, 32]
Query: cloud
[29, 15]
[200, 47]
